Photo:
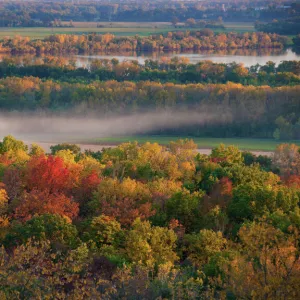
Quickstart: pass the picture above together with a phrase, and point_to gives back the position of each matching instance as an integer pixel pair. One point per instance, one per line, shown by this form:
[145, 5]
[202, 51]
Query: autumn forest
[85, 219]
[148, 221]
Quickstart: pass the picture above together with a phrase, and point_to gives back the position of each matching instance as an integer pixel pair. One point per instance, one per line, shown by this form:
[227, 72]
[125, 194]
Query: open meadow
[203, 143]
[116, 28]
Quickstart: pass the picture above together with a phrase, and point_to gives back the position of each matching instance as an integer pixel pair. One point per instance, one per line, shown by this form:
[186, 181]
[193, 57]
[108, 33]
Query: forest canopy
[204, 39]
[52, 13]
[164, 218]
[175, 70]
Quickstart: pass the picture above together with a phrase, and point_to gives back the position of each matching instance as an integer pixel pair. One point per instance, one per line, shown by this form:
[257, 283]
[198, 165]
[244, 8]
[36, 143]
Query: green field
[117, 28]
[203, 143]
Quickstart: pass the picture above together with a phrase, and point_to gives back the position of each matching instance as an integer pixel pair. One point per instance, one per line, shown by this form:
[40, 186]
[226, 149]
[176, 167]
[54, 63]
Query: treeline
[46, 13]
[254, 110]
[296, 41]
[204, 39]
[290, 26]
[148, 222]
[176, 70]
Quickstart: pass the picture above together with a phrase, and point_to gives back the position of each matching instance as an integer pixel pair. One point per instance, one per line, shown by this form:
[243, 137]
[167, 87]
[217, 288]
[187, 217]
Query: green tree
[150, 246]
[9, 143]
[186, 208]
[201, 247]
[65, 146]
[228, 155]
[54, 228]
[255, 201]
[105, 232]
[36, 150]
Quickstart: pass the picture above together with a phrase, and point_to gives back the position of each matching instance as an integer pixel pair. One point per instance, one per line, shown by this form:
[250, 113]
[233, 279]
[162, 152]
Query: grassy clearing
[204, 143]
[117, 28]
[239, 26]
[121, 24]
[39, 33]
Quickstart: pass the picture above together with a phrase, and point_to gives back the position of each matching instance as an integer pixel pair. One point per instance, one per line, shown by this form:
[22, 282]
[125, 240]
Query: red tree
[86, 187]
[5, 160]
[42, 202]
[292, 181]
[49, 173]
[220, 194]
[177, 227]
[126, 210]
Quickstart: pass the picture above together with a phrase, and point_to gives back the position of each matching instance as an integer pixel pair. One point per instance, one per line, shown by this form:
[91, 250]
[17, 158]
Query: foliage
[177, 70]
[228, 155]
[267, 265]
[75, 149]
[9, 144]
[49, 173]
[204, 39]
[41, 202]
[186, 208]
[287, 158]
[148, 245]
[105, 232]
[65, 14]
[203, 246]
[149, 221]
[288, 26]
[50, 227]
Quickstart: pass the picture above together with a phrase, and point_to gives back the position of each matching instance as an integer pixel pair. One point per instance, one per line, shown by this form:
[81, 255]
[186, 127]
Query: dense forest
[204, 39]
[296, 41]
[41, 13]
[148, 222]
[175, 70]
[289, 26]
[250, 111]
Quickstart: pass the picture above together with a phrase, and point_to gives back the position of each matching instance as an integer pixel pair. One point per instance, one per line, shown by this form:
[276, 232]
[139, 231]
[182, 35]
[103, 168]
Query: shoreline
[99, 146]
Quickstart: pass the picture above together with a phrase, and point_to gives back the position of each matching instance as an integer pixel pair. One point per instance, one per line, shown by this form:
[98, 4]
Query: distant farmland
[202, 142]
[117, 28]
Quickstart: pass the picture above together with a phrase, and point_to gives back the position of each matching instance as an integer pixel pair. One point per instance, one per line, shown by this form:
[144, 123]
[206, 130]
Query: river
[247, 57]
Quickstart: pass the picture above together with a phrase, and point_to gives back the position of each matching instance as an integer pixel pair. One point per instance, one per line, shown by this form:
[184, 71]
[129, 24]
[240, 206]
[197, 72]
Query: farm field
[117, 28]
[203, 143]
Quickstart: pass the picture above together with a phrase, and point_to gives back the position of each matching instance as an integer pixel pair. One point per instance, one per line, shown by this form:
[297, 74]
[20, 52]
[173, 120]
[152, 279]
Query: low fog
[43, 127]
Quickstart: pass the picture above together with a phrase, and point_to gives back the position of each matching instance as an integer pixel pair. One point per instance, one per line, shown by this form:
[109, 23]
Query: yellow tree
[267, 266]
[4, 221]
[149, 246]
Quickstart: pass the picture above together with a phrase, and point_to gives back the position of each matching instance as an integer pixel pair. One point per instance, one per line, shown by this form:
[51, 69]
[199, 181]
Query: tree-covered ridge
[204, 39]
[289, 26]
[175, 70]
[49, 13]
[243, 111]
[148, 222]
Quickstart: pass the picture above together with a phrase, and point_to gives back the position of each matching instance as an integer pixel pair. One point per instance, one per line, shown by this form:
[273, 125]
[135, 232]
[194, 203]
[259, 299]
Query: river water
[247, 57]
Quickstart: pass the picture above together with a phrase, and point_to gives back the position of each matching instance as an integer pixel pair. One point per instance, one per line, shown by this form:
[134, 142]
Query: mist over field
[43, 127]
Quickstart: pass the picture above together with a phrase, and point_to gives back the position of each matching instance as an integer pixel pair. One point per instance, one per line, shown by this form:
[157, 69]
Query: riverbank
[258, 145]
[98, 147]
[205, 145]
